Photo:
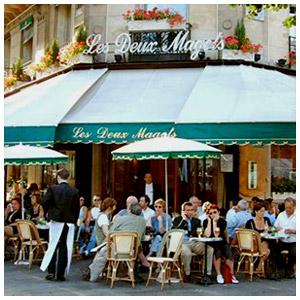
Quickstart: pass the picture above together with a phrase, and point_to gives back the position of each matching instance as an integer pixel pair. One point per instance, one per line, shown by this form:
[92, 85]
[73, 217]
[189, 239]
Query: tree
[255, 9]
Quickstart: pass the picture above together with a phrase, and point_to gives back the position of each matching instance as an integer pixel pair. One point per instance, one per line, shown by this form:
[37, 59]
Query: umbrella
[165, 148]
[30, 155]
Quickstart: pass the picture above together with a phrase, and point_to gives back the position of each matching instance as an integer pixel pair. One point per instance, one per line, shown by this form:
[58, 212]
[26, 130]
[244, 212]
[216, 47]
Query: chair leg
[130, 265]
[16, 244]
[179, 274]
[150, 274]
[114, 273]
[30, 256]
[108, 271]
[251, 267]
[164, 270]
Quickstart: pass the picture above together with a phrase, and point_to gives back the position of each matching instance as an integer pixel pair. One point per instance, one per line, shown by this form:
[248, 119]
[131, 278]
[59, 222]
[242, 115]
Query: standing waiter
[61, 203]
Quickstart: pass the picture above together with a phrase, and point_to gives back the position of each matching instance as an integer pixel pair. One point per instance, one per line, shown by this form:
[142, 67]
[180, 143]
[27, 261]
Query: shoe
[50, 276]
[234, 280]
[187, 278]
[82, 250]
[62, 278]
[86, 273]
[220, 279]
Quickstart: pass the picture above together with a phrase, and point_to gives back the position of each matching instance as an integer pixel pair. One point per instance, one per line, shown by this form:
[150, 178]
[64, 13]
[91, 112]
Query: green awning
[239, 133]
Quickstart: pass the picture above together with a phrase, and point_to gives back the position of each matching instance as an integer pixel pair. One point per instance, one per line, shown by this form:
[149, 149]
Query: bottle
[273, 231]
[266, 228]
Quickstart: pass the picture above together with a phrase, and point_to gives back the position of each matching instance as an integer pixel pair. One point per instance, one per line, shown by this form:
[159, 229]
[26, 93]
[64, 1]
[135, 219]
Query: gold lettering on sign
[144, 134]
[79, 133]
[103, 133]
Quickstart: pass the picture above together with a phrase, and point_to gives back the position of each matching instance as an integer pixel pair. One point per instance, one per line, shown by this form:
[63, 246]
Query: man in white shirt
[151, 189]
[286, 224]
[197, 206]
[146, 211]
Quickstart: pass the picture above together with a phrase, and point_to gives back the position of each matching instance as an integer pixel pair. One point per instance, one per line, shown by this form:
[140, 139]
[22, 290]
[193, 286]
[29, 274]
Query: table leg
[205, 279]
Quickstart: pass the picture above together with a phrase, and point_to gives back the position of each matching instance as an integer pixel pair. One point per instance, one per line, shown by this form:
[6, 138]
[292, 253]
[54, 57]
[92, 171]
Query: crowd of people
[147, 211]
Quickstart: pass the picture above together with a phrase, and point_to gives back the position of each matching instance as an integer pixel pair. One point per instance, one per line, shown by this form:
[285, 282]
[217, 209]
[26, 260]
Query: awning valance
[240, 104]
[32, 115]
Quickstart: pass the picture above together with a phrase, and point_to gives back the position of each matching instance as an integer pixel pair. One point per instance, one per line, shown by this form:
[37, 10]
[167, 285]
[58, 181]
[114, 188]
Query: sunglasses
[213, 212]
[158, 206]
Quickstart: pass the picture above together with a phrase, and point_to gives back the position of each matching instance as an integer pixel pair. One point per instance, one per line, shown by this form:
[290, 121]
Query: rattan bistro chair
[249, 245]
[30, 237]
[122, 246]
[168, 256]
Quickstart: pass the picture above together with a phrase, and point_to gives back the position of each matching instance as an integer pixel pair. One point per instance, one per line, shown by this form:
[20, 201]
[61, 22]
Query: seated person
[270, 210]
[286, 223]
[133, 221]
[216, 226]
[237, 220]
[10, 228]
[89, 226]
[123, 212]
[258, 224]
[187, 222]
[146, 210]
[205, 207]
[36, 211]
[159, 223]
[83, 213]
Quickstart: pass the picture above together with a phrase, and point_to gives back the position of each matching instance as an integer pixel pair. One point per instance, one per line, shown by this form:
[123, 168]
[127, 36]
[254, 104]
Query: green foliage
[54, 50]
[47, 48]
[81, 34]
[240, 32]
[283, 185]
[17, 68]
[255, 9]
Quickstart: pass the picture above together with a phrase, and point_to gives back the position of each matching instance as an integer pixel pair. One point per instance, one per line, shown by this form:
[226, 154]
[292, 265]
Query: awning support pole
[166, 192]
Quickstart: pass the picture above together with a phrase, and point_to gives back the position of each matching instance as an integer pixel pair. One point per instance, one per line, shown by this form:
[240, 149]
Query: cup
[199, 231]
[217, 232]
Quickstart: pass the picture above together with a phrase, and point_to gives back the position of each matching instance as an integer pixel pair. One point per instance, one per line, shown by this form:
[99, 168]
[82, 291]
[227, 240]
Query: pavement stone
[20, 281]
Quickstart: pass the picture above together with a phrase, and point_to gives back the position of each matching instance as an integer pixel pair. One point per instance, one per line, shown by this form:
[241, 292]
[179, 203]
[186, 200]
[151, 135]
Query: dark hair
[37, 196]
[185, 204]
[63, 174]
[213, 206]
[135, 209]
[33, 187]
[270, 200]
[258, 206]
[147, 199]
[18, 199]
[107, 203]
[256, 199]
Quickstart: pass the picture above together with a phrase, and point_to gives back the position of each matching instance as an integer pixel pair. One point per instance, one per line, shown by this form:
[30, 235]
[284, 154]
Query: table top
[40, 226]
[278, 235]
[207, 239]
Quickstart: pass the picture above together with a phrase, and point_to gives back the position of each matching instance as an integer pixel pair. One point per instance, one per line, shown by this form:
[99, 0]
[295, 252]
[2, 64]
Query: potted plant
[283, 188]
[239, 46]
[154, 20]
[9, 82]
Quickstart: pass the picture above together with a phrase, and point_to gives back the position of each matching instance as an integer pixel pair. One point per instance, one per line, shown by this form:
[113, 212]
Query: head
[96, 200]
[256, 200]
[148, 178]
[144, 201]
[213, 211]
[195, 201]
[108, 204]
[188, 209]
[259, 209]
[131, 200]
[205, 206]
[33, 187]
[62, 175]
[16, 203]
[35, 198]
[271, 203]
[135, 209]
[289, 205]
[81, 201]
[160, 206]
[242, 205]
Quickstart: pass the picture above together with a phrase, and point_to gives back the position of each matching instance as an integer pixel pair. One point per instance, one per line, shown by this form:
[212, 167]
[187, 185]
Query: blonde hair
[162, 202]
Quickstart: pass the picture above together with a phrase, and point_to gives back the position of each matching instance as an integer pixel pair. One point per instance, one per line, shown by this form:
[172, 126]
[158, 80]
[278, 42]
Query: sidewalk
[20, 281]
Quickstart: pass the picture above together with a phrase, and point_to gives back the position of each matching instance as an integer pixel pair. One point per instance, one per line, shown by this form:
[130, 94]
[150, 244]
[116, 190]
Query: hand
[87, 229]
[184, 217]
[288, 231]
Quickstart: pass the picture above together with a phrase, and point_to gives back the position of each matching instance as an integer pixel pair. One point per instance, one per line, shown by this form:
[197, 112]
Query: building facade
[248, 170]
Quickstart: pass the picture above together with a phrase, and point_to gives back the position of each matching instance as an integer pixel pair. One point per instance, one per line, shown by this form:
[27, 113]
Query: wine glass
[199, 231]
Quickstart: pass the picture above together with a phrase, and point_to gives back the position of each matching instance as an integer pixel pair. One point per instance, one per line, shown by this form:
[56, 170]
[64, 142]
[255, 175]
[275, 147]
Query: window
[26, 45]
[182, 8]
[62, 29]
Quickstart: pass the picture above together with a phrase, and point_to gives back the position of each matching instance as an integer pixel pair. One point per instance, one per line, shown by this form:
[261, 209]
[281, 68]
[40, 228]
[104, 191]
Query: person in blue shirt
[159, 222]
[237, 220]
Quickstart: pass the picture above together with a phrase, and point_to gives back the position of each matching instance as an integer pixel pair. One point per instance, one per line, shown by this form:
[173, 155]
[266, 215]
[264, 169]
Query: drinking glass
[217, 231]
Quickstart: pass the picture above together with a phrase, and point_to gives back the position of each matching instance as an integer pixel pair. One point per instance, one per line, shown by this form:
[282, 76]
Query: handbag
[226, 274]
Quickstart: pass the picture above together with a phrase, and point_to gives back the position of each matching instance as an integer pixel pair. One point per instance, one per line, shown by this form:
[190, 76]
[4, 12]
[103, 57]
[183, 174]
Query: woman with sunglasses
[215, 226]
[159, 223]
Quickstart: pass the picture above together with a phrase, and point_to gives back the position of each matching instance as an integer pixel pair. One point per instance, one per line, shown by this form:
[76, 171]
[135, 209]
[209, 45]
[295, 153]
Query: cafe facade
[131, 91]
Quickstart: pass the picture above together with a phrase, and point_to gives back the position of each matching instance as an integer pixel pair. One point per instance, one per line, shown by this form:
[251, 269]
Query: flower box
[279, 198]
[81, 59]
[237, 54]
[153, 25]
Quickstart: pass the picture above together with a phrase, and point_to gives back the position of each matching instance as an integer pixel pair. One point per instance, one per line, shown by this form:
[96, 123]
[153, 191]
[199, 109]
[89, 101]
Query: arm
[47, 200]
[85, 213]
[87, 221]
[41, 213]
[180, 223]
[207, 231]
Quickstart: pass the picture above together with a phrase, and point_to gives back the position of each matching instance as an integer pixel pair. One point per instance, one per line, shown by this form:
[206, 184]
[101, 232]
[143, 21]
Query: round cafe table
[43, 231]
[205, 280]
[272, 240]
